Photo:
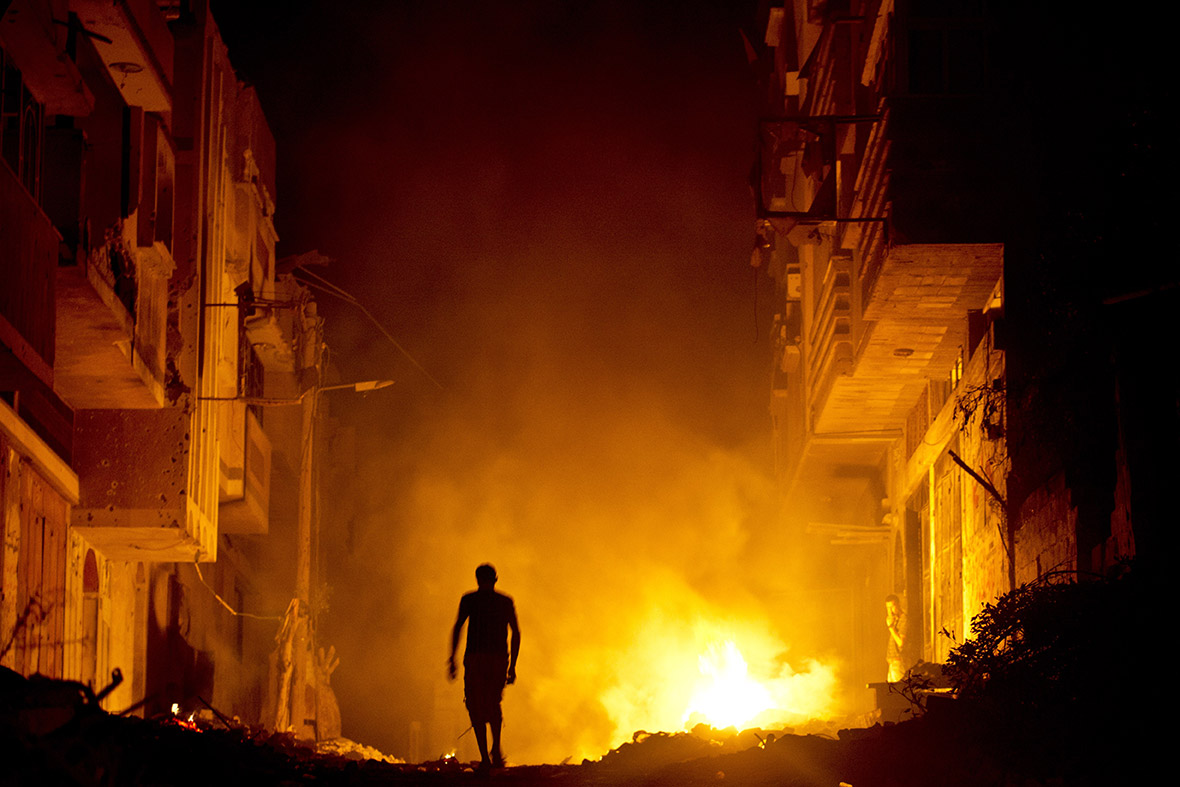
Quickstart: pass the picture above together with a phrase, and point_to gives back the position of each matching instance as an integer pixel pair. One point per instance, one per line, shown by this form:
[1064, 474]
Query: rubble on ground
[51, 734]
[1042, 696]
[351, 750]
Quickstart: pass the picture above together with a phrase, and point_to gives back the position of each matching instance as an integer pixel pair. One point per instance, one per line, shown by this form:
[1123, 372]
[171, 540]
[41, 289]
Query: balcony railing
[830, 337]
[145, 485]
[870, 196]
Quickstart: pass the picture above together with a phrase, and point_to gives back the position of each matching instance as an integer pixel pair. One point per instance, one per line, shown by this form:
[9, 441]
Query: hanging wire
[334, 290]
[231, 610]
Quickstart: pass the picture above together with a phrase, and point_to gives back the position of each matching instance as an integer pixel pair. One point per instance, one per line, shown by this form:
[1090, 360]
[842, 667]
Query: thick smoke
[630, 542]
[546, 203]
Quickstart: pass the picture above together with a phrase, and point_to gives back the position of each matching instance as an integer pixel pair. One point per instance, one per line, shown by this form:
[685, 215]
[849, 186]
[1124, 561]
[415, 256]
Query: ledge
[43, 459]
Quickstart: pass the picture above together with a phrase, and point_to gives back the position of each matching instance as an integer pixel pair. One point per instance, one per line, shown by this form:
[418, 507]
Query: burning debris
[717, 673]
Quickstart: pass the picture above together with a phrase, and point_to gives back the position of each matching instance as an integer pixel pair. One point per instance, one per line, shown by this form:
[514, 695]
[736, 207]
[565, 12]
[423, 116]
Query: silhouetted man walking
[487, 666]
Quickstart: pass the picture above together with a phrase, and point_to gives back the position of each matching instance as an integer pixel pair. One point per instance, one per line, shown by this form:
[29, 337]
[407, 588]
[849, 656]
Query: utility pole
[303, 706]
[305, 679]
[303, 673]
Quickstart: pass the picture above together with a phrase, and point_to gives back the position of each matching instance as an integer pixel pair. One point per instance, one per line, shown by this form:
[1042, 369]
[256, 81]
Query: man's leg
[495, 722]
[481, 737]
[496, 717]
[475, 697]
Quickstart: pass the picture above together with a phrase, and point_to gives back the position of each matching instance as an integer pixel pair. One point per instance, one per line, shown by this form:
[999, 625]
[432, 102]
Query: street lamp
[296, 643]
[362, 387]
[301, 715]
[266, 401]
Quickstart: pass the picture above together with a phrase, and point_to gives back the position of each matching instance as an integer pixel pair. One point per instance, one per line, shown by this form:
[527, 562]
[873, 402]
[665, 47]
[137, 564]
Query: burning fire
[729, 697]
[673, 677]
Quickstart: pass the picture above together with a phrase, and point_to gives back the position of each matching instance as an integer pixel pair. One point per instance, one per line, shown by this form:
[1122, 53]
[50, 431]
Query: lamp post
[295, 705]
[362, 387]
[306, 485]
[303, 703]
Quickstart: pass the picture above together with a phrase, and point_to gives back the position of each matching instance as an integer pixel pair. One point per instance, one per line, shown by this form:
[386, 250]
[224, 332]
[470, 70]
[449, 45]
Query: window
[22, 126]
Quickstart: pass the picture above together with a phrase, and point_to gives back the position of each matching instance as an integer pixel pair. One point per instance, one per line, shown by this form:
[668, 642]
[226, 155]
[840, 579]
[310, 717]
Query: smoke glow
[551, 213]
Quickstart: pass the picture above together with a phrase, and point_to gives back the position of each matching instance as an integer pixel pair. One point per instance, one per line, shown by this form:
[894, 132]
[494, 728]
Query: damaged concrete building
[158, 372]
[964, 398]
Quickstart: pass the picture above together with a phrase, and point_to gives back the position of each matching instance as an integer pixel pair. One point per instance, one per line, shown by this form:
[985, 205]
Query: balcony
[111, 322]
[140, 496]
[915, 330]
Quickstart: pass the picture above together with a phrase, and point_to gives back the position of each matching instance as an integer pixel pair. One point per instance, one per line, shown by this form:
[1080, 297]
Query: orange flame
[673, 677]
[728, 696]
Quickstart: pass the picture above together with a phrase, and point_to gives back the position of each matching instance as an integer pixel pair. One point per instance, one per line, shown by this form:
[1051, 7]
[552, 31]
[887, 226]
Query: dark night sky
[546, 203]
[442, 151]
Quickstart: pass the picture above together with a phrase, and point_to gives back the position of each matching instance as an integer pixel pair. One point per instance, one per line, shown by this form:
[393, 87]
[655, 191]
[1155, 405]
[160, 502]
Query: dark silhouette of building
[970, 389]
[148, 489]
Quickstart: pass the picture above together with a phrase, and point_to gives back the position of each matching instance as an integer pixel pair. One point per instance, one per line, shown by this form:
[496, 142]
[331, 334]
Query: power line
[336, 291]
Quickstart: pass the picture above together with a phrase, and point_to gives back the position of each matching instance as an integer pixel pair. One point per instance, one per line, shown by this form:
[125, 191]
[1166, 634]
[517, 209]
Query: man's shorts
[484, 675]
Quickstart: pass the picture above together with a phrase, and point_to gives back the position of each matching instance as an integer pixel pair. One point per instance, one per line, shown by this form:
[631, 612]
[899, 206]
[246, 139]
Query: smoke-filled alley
[771, 353]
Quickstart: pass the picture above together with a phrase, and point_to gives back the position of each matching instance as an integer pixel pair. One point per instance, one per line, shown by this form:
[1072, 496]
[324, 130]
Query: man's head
[893, 604]
[485, 576]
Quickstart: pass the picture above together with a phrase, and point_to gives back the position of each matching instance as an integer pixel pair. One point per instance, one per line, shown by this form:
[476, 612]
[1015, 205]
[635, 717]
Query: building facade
[947, 372]
[158, 373]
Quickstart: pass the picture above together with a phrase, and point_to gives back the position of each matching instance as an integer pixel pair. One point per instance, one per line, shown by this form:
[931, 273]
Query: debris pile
[351, 750]
[1064, 728]
[55, 732]
[647, 751]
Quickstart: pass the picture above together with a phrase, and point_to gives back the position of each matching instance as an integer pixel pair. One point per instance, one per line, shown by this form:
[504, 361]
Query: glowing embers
[180, 721]
[727, 695]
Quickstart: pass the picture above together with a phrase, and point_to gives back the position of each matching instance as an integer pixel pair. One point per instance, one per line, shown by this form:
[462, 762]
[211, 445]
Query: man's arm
[452, 670]
[515, 646]
[897, 631]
